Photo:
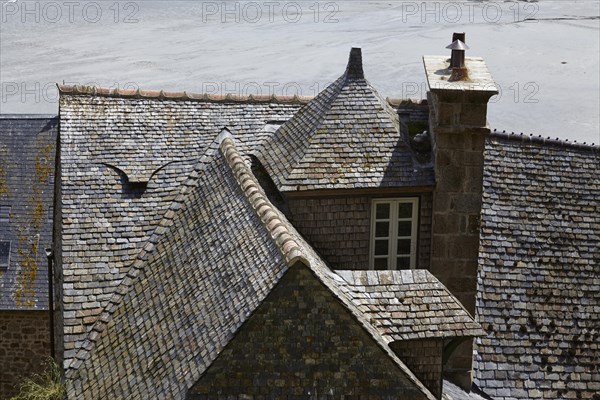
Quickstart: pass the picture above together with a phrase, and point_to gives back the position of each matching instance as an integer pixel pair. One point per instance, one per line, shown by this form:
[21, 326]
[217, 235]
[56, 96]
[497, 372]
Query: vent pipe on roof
[457, 59]
[354, 70]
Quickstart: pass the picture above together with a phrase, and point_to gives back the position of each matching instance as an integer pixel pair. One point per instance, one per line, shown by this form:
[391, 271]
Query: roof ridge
[388, 108]
[297, 145]
[278, 229]
[137, 265]
[28, 116]
[81, 90]
[539, 139]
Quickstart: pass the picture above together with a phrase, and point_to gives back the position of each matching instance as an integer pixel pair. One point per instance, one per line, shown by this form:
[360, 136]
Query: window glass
[4, 213]
[403, 246]
[404, 228]
[403, 263]
[382, 229]
[4, 254]
[381, 247]
[380, 263]
[394, 233]
[405, 210]
[382, 211]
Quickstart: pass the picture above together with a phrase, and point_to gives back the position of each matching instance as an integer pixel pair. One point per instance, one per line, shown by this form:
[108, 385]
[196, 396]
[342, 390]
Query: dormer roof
[347, 137]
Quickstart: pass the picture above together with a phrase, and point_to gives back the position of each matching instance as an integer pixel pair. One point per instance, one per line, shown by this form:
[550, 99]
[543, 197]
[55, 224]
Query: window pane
[382, 229]
[4, 253]
[380, 263]
[403, 263]
[404, 228]
[381, 247]
[403, 246]
[4, 213]
[405, 210]
[382, 211]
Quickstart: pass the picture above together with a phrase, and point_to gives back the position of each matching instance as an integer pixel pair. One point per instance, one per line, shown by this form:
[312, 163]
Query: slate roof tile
[27, 152]
[347, 137]
[234, 246]
[401, 304]
[538, 281]
[105, 141]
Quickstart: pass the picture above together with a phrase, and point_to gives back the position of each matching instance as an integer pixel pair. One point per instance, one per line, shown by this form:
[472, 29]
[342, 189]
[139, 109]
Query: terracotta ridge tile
[79, 90]
[547, 141]
[278, 229]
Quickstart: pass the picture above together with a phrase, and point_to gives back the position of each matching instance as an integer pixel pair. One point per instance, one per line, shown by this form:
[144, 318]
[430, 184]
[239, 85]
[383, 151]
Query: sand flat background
[544, 55]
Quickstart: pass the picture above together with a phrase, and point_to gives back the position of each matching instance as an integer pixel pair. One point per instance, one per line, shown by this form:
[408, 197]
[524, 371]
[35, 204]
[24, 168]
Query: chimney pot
[459, 36]
[457, 60]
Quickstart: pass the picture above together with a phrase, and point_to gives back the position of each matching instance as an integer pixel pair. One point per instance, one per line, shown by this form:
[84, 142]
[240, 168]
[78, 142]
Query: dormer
[351, 180]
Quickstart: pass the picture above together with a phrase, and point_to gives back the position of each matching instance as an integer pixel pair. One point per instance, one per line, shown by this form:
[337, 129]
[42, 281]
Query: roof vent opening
[4, 254]
[354, 70]
[457, 59]
[132, 190]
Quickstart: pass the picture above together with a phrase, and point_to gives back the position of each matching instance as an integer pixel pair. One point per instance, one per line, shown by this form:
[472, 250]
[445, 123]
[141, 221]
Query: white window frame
[393, 231]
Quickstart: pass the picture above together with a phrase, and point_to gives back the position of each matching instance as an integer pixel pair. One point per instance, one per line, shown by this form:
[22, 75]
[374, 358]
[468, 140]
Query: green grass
[45, 386]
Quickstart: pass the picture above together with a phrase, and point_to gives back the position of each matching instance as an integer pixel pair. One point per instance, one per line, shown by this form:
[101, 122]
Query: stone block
[473, 114]
[445, 223]
[23, 351]
[466, 203]
[450, 179]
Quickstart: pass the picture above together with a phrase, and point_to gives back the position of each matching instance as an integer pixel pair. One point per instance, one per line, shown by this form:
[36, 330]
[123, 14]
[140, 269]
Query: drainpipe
[50, 257]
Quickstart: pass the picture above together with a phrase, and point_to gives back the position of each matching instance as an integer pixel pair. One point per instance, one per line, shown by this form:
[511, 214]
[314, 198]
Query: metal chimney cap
[458, 45]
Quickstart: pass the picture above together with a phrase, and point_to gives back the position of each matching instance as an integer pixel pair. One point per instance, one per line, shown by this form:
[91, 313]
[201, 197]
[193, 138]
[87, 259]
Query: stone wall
[424, 358]
[302, 343]
[24, 345]
[338, 227]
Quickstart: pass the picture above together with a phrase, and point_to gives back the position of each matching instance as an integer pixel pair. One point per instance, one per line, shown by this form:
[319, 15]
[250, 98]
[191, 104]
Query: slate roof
[538, 293]
[219, 249]
[27, 150]
[106, 220]
[409, 304]
[453, 392]
[124, 153]
[347, 137]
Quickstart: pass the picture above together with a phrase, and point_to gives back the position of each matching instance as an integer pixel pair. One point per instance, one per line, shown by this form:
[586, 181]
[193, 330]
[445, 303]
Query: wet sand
[543, 55]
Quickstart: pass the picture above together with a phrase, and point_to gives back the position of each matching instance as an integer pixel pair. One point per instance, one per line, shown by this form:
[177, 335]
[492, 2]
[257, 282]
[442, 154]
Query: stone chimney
[460, 88]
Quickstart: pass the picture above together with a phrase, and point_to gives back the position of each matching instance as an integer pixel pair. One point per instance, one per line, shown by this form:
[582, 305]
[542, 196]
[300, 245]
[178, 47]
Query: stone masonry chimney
[458, 100]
